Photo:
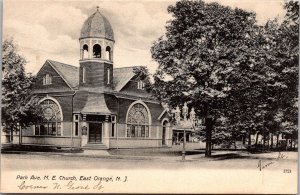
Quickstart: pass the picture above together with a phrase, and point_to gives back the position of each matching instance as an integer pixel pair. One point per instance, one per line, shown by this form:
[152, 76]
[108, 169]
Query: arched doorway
[164, 131]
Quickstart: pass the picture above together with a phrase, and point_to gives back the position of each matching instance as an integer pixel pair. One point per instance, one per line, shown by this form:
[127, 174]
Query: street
[225, 171]
[220, 160]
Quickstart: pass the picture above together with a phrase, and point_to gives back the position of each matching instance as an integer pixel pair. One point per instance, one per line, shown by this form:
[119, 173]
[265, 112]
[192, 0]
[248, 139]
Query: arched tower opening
[108, 53]
[85, 50]
[96, 51]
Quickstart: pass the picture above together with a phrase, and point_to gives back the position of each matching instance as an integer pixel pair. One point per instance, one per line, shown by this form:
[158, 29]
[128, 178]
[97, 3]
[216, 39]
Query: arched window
[164, 132]
[97, 51]
[108, 53]
[138, 121]
[85, 50]
[52, 114]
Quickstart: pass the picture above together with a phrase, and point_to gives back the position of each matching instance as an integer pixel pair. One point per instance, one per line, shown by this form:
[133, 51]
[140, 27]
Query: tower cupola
[96, 38]
[96, 52]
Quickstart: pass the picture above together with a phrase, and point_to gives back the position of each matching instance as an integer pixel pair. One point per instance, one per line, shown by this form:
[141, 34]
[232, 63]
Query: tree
[265, 80]
[287, 53]
[19, 107]
[203, 45]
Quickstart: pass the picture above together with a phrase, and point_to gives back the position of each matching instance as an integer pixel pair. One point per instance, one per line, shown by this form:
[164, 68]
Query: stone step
[95, 147]
[96, 152]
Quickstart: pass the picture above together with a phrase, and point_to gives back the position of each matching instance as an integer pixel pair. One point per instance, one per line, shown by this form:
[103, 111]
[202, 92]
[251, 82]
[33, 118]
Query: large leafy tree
[287, 56]
[19, 107]
[251, 102]
[203, 45]
[265, 101]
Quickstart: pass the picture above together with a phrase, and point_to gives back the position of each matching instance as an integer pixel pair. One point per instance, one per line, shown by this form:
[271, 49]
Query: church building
[96, 105]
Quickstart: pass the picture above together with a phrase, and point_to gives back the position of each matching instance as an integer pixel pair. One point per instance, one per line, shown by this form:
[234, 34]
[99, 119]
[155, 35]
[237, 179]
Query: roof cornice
[131, 97]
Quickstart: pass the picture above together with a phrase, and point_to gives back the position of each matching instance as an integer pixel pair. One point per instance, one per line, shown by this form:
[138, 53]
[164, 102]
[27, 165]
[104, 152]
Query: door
[164, 133]
[95, 132]
[164, 136]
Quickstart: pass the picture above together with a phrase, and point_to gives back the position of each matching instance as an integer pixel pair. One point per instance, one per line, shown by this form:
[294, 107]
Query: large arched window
[52, 114]
[97, 51]
[138, 121]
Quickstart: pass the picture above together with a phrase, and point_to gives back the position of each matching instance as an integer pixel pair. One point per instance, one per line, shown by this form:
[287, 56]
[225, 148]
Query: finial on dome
[97, 8]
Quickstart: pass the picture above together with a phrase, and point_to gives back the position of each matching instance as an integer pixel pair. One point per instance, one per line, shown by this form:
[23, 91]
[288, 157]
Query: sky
[45, 29]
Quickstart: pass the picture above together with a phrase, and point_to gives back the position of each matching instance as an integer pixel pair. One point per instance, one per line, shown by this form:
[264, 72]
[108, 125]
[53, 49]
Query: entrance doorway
[164, 133]
[95, 132]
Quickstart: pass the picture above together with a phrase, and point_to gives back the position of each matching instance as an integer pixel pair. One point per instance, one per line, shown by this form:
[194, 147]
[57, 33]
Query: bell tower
[96, 53]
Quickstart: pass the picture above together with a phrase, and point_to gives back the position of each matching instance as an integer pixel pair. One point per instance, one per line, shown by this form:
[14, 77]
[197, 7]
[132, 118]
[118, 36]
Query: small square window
[141, 85]
[47, 79]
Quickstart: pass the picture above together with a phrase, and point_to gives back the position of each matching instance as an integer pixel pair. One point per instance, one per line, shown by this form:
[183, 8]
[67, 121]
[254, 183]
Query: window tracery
[138, 121]
[51, 125]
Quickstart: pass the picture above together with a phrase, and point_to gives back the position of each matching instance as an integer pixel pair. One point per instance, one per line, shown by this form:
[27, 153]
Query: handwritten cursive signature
[281, 156]
[72, 186]
[261, 165]
[24, 186]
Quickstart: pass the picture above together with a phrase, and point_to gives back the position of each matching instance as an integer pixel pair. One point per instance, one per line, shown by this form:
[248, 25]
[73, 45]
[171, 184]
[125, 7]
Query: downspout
[72, 122]
[117, 125]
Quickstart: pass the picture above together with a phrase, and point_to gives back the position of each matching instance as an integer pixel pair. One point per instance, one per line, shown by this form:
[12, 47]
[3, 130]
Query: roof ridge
[129, 67]
[62, 63]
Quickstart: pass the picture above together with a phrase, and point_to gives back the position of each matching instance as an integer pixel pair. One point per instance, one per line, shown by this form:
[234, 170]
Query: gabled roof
[122, 76]
[68, 72]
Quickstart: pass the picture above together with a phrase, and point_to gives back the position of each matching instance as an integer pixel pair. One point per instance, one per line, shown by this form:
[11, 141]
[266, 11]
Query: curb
[83, 155]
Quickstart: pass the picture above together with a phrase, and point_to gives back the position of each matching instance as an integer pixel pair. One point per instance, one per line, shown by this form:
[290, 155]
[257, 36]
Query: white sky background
[50, 29]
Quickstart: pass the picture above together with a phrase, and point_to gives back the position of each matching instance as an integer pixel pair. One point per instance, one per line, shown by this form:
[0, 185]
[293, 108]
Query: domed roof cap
[97, 26]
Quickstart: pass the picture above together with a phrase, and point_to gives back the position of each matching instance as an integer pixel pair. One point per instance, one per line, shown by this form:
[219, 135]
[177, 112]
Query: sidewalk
[164, 154]
[134, 154]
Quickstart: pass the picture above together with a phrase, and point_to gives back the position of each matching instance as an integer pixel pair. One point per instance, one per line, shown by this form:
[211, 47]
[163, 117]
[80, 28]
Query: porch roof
[184, 125]
[95, 104]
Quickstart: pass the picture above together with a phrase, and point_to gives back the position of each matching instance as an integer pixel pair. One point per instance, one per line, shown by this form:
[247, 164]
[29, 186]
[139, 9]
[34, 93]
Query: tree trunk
[256, 139]
[264, 140]
[271, 141]
[20, 136]
[208, 137]
[234, 142]
[249, 139]
[277, 141]
[11, 135]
